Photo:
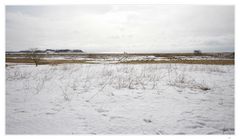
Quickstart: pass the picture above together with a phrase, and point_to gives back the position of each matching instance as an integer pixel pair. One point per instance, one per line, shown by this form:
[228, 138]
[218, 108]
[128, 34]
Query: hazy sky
[118, 28]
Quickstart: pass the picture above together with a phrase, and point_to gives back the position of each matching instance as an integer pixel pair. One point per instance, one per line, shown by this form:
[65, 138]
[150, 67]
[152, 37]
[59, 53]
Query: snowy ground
[108, 59]
[120, 99]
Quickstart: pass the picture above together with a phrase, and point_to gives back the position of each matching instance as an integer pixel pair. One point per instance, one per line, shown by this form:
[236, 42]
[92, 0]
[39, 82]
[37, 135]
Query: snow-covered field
[120, 99]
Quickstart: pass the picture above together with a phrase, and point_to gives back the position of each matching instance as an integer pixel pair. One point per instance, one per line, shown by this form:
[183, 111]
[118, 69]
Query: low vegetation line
[210, 62]
[45, 61]
[55, 62]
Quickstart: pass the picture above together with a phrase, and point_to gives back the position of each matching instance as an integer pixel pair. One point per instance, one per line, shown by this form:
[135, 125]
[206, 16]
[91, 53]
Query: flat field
[122, 98]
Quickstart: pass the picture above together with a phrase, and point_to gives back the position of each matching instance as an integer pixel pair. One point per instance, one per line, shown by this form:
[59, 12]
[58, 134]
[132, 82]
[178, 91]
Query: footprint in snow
[179, 91]
[50, 113]
[201, 123]
[20, 111]
[194, 126]
[116, 117]
[180, 133]
[159, 132]
[81, 118]
[104, 115]
[101, 110]
[137, 97]
[147, 120]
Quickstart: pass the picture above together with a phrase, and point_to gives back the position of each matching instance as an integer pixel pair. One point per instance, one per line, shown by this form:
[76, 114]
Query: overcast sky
[118, 28]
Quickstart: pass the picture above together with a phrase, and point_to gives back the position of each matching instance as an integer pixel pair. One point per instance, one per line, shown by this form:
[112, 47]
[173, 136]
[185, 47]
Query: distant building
[197, 52]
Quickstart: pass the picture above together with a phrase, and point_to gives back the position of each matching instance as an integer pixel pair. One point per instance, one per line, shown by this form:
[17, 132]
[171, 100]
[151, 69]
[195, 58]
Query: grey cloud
[136, 28]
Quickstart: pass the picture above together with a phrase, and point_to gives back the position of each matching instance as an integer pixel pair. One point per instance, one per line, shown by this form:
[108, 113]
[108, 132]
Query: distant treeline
[48, 51]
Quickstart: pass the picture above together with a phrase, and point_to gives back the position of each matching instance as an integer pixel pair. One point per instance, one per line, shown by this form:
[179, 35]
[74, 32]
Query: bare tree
[35, 56]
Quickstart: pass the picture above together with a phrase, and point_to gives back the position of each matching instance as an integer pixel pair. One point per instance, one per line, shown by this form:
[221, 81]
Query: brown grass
[97, 55]
[210, 62]
[55, 62]
[45, 61]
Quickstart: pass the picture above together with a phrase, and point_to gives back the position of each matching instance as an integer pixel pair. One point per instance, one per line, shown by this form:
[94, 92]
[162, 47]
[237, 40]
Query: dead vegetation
[209, 62]
[90, 58]
[45, 61]
[55, 62]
